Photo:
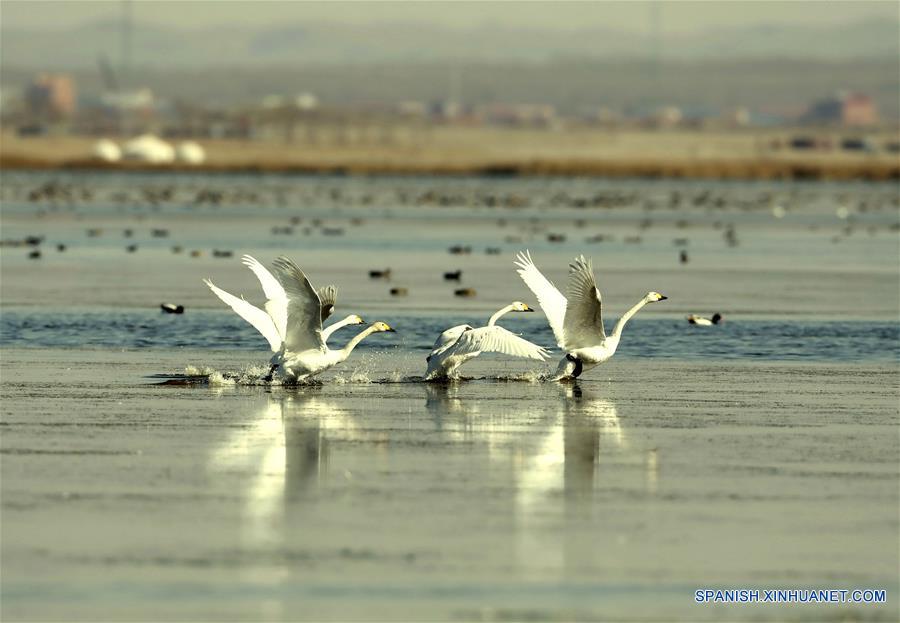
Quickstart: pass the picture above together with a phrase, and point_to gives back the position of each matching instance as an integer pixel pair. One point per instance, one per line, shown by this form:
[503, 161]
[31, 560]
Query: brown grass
[487, 151]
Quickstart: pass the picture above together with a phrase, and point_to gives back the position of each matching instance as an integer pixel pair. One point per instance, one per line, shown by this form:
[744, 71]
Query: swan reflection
[550, 463]
[255, 456]
[282, 454]
[463, 420]
[583, 456]
[449, 412]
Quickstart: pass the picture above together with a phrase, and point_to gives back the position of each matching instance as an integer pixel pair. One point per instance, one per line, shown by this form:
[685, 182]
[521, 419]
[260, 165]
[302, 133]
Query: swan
[273, 327]
[292, 320]
[577, 323]
[459, 344]
[704, 322]
[340, 324]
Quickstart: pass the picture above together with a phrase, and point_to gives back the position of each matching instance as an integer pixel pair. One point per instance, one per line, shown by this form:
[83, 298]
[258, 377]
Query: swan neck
[327, 331]
[499, 314]
[346, 350]
[617, 332]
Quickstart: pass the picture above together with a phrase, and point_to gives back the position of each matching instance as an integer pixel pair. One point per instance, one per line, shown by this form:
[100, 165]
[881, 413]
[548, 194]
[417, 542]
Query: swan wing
[549, 297]
[495, 339]
[304, 309]
[328, 297]
[260, 320]
[446, 339]
[583, 324]
[276, 299]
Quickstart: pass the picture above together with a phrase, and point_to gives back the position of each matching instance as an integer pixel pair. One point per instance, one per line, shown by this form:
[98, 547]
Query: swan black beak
[529, 309]
[662, 298]
[392, 330]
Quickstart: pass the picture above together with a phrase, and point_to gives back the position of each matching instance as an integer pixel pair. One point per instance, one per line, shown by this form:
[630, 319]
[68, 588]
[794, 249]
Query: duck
[704, 322]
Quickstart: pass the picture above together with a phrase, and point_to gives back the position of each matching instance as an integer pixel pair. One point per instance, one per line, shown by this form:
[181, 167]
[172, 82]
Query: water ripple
[863, 341]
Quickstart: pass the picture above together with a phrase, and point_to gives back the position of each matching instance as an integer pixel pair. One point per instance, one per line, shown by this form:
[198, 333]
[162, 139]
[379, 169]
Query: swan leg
[579, 366]
[268, 378]
[569, 369]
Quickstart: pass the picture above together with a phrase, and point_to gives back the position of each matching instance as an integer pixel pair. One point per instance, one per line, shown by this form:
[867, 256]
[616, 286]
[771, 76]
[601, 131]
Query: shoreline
[493, 152]
[649, 168]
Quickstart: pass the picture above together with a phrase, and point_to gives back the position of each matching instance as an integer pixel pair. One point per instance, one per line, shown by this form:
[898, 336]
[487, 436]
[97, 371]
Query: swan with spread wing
[461, 343]
[291, 320]
[577, 322]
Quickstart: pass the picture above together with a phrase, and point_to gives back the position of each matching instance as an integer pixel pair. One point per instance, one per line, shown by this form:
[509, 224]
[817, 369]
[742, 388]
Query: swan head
[355, 319]
[519, 306]
[654, 297]
[382, 326]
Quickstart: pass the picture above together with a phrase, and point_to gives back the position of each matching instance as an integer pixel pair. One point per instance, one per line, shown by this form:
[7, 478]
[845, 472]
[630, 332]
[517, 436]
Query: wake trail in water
[254, 376]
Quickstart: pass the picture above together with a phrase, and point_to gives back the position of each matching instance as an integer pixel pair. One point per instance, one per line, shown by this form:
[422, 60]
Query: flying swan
[577, 322]
[459, 344]
[292, 320]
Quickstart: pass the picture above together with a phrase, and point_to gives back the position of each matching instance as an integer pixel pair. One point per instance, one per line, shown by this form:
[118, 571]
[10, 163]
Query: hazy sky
[675, 16]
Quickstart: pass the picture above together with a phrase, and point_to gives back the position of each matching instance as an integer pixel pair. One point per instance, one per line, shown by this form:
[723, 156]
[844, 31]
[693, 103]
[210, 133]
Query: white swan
[292, 320]
[272, 323]
[340, 324]
[459, 344]
[577, 322]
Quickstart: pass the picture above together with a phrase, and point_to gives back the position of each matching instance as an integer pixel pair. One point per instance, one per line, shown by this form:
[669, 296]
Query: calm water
[748, 339]
[762, 453]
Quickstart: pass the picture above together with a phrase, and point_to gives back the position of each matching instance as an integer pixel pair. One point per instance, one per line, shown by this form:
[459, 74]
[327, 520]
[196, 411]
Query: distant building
[446, 109]
[306, 101]
[605, 116]
[851, 109]
[738, 117]
[859, 110]
[668, 117]
[51, 96]
[412, 108]
[136, 101]
[518, 114]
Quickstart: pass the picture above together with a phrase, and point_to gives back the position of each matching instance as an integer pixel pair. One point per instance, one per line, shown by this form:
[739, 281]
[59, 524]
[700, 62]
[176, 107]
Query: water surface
[762, 453]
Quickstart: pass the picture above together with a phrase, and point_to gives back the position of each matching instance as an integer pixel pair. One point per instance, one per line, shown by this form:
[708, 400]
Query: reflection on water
[307, 420]
[558, 479]
[450, 413]
[256, 455]
[286, 448]
[549, 469]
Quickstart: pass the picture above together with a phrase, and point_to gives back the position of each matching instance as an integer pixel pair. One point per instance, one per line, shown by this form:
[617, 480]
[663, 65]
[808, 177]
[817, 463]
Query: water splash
[217, 379]
[191, 370]
[529, 376]
[356, 376]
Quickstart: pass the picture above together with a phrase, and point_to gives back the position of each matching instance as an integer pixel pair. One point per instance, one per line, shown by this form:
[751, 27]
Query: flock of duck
[292, 320]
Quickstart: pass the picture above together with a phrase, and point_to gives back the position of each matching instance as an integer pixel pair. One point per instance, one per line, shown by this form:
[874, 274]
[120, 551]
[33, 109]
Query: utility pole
[125, 40]
[656, 51]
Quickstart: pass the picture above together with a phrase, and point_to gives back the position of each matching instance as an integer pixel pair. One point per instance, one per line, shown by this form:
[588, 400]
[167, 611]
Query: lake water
[761, 453]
